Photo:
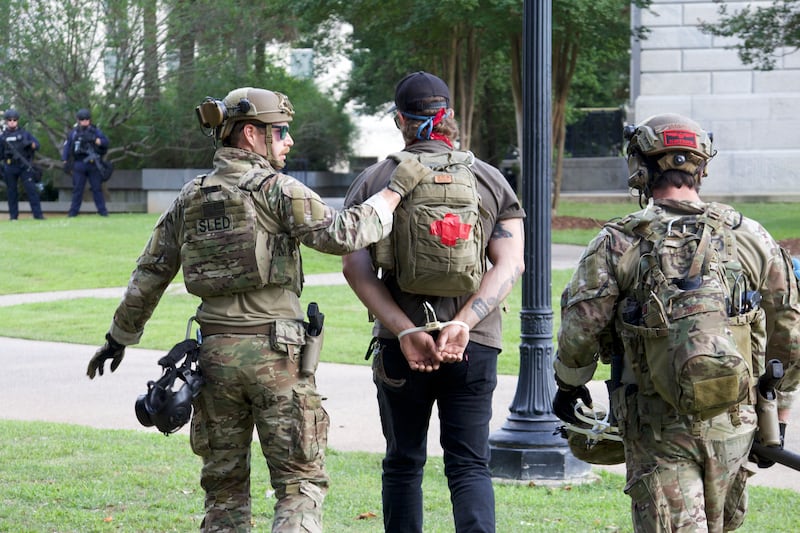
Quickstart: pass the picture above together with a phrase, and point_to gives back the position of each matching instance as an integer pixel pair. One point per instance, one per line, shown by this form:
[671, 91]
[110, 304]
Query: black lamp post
[526, 447]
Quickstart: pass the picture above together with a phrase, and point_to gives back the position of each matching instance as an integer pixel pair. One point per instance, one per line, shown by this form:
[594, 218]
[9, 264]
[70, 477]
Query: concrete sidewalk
[47, 381]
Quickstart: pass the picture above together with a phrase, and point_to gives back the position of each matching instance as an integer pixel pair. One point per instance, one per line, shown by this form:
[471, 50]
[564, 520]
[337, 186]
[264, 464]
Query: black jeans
[463, 392]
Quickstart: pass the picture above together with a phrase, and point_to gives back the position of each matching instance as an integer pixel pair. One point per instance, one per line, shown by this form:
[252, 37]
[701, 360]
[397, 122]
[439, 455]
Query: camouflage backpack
[436, 246]
[690, 313]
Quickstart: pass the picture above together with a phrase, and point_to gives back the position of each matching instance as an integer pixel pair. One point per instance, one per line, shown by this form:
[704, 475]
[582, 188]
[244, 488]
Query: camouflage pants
[686, 476]
[249, 385]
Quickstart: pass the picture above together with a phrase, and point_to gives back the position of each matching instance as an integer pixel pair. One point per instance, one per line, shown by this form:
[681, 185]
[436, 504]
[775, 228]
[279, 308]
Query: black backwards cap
[412, 91]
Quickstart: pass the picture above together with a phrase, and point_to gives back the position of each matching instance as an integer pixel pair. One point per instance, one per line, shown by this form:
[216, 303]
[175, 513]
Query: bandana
[425, 130]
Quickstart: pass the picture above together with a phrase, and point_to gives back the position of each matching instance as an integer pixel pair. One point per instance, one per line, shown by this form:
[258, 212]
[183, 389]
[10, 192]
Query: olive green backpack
[436, 246]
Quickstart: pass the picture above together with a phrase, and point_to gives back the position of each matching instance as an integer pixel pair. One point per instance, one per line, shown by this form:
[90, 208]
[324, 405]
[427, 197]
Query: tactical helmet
[83, 114]
[11, 114]
[164, 406]
[593, 439]
[247, 103]
[666, 142]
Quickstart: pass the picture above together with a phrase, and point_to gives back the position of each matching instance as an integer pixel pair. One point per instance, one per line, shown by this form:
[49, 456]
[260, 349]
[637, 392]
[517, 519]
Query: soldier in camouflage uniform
[236, 233]
[684, 473]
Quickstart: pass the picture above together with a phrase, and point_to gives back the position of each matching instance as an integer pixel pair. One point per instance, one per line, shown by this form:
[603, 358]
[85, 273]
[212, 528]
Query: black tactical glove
[763, 462]
[565, 399]
[110, 350]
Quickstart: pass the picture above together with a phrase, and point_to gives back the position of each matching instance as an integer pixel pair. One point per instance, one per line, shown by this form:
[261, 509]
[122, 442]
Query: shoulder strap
[401, 156]
[637, 224]
[700, 253]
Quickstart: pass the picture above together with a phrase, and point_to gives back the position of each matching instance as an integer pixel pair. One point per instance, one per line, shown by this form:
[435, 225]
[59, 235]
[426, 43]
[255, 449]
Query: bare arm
[418, 348]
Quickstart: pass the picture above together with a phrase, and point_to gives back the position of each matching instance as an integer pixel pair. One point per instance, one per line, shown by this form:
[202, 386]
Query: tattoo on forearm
[481, 308]
[499, 232]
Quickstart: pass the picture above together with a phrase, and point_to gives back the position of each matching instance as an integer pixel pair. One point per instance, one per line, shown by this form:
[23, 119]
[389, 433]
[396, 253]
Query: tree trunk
[516, 93]
[150, 60]
[565, 60]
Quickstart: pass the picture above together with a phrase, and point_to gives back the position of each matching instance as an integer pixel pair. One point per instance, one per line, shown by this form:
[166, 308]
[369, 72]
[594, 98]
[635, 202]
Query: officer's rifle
[37, 172]
[105, 167]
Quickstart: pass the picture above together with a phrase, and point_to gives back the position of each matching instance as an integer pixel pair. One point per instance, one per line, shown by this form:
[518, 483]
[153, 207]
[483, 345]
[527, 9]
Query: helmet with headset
[594, 438]
[218, 117]
[247, 103]
[666, 142]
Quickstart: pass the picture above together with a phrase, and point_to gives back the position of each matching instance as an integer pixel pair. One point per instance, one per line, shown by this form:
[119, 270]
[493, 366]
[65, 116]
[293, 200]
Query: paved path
[46, 381]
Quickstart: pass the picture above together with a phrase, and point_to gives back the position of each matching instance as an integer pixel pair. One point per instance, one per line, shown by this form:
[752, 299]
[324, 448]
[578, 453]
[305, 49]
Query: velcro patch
[443, 178]
[684, 138]
[213, 209]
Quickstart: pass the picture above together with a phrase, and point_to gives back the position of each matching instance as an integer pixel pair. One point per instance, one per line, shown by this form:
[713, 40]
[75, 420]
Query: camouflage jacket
[603, 278]
[282, 205]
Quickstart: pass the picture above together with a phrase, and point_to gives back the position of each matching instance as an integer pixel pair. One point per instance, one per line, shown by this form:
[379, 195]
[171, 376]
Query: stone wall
[152, 190]
[754, 115]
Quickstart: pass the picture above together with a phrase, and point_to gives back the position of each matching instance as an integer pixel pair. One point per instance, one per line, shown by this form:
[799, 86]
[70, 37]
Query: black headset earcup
[639, 170]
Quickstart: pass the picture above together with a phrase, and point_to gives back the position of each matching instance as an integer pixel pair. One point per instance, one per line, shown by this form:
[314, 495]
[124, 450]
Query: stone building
[754, 115]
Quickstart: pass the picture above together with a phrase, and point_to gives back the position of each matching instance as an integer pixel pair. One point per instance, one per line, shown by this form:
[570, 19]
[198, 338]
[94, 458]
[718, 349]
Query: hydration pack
[436, 246]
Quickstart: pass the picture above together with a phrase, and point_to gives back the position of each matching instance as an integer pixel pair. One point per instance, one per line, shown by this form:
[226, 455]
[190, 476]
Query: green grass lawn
[63, 478]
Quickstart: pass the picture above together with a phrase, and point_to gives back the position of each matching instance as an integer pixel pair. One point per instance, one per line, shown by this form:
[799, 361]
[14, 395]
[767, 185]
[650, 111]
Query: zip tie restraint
[432, 323]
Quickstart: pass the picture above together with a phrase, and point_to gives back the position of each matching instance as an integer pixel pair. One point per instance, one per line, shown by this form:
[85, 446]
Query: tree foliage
[465, 42]
[765, 32]
[476, 47]
[142, 66]
[591, 43]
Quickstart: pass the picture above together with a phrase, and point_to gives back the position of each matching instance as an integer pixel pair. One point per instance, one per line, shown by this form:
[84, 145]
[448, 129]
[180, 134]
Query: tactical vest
[436, 246]
[225, 249]
[692, 330]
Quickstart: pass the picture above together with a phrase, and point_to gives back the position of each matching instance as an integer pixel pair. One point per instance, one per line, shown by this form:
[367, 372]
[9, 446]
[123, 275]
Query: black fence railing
[597, 133]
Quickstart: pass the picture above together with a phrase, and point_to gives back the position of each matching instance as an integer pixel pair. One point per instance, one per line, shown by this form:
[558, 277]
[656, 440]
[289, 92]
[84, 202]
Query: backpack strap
[399, 157]
[700, 254]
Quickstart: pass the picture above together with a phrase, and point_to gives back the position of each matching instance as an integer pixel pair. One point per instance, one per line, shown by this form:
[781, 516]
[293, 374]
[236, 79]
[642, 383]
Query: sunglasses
[284, 130]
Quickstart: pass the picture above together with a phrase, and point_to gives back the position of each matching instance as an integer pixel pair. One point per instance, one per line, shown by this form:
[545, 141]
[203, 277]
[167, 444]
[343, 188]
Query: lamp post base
[534, 455]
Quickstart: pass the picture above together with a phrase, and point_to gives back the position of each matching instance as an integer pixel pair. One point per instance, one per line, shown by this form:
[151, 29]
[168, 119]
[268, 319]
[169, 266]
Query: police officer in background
[85, 142]
[17, 147]
[685, 472]
[236, 233]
